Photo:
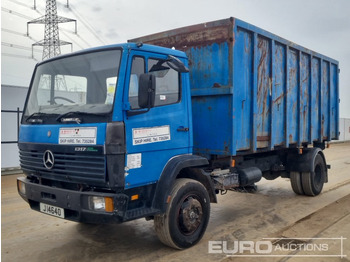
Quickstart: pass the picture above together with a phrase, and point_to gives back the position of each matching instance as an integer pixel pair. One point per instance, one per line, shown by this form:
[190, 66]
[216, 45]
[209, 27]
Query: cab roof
[124, 46]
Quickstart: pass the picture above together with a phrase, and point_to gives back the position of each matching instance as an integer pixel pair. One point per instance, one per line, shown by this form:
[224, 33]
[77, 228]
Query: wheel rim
[190, 215]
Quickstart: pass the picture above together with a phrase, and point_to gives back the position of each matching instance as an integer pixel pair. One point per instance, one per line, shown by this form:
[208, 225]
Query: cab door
[154, 137]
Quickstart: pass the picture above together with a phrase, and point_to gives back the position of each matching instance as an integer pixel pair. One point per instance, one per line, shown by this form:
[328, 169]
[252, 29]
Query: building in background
[344, 129]
[12, 97]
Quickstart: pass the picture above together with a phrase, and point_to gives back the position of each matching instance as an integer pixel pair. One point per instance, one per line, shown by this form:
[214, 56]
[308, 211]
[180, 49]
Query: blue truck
[155, 128]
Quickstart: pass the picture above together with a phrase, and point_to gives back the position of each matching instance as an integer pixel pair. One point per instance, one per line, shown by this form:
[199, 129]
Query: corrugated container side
[294, 92]
[254, 91]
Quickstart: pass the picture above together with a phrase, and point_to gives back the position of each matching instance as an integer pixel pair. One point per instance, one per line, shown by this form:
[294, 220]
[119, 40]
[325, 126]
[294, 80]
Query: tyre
[295, 180]
[186, 217]
[313, 182]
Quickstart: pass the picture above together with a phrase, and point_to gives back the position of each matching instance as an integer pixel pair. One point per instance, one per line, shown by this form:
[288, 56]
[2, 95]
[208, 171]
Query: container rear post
[299, 94]
[273, 83]
[255, 92]
[319, 103]
[286, 143]
[310, 101]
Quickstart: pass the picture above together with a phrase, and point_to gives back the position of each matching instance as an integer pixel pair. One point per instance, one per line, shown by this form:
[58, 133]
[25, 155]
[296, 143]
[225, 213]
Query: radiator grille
[71, 167]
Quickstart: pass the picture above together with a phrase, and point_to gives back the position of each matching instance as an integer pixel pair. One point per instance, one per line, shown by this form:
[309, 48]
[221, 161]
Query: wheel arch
[305, 162]
[180, 167]
[201, 176]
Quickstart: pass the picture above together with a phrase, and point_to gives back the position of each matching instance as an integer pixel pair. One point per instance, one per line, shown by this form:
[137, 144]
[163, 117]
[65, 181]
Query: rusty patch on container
[190, 36]
[263, 138]
[292, 78]
[264, 80]
[278, 98]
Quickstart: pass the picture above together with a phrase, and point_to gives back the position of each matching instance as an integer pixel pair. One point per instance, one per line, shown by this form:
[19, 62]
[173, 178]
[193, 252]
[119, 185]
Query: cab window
[137, 68]
[167, 82]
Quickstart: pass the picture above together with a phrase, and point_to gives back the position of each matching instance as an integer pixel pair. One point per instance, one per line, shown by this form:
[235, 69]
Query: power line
[63, 32]
[13, 32]
[63, 29]
[82, 39]
[19, 47]
[75, 33]
[51, 43]
[25, 35]
[30, 37]
[18, 56]
[25, 5]
[86, 23]
[40, 20]
[35, 50]
[17, 33]
[15, 13]
[67, 5]
[20, 3]
[73, 10]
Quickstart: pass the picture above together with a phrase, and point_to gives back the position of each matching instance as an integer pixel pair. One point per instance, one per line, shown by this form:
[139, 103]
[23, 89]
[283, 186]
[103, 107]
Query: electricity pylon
[51, 43]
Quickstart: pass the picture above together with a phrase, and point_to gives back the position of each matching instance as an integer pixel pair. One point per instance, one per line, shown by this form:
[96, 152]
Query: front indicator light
[21, 187]
[98, 203]
[134, 197]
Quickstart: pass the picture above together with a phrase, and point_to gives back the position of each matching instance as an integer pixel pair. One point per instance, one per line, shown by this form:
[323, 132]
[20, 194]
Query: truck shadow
[137, 241]
[109, 243]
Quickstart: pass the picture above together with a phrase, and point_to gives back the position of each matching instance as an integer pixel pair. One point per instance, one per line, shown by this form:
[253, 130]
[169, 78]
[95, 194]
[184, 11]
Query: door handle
[183, 129]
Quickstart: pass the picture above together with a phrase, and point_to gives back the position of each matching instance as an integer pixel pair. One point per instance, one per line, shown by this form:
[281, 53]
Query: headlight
[99, 203]
[21, 187]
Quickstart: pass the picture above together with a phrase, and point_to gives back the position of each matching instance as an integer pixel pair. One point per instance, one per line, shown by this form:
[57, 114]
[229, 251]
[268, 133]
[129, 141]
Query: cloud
[96, 9]
[322, 25]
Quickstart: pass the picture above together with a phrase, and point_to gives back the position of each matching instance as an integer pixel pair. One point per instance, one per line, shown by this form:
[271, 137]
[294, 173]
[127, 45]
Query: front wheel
[186, 217]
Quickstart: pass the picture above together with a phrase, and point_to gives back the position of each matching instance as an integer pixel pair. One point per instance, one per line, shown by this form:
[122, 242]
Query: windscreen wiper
[64, 118]
[35, 120]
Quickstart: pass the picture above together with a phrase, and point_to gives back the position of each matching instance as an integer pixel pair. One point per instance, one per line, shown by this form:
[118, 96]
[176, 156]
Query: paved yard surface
[317, 225]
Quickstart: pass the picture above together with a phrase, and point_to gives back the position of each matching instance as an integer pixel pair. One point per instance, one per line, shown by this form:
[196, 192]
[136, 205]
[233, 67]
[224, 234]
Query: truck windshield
[83, 85]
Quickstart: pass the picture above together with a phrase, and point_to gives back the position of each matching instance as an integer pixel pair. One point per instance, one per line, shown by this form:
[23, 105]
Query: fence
[18, 112]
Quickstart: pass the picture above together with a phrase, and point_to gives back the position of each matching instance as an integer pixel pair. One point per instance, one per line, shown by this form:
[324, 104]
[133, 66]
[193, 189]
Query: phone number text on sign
[142, 136]
[74, 136]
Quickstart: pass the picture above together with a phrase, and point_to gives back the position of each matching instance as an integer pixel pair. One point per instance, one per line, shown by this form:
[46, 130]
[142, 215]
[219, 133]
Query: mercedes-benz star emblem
[49, 159]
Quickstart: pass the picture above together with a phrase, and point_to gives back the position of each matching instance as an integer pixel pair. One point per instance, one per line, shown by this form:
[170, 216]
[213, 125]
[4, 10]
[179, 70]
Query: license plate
[52, 210]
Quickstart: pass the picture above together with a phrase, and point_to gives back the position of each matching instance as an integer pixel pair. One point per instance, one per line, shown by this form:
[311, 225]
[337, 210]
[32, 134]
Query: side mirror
[147, 91]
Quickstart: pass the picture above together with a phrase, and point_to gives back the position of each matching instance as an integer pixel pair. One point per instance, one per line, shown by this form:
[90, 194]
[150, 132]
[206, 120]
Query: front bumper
[74, 203]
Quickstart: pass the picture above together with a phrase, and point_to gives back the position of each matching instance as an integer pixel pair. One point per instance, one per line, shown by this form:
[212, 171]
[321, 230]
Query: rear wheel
[186, 217]
[310, 183]
[295, 180]
[313, 181]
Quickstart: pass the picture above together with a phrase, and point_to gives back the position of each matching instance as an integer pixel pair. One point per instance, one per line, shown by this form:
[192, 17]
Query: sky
[320, 25]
